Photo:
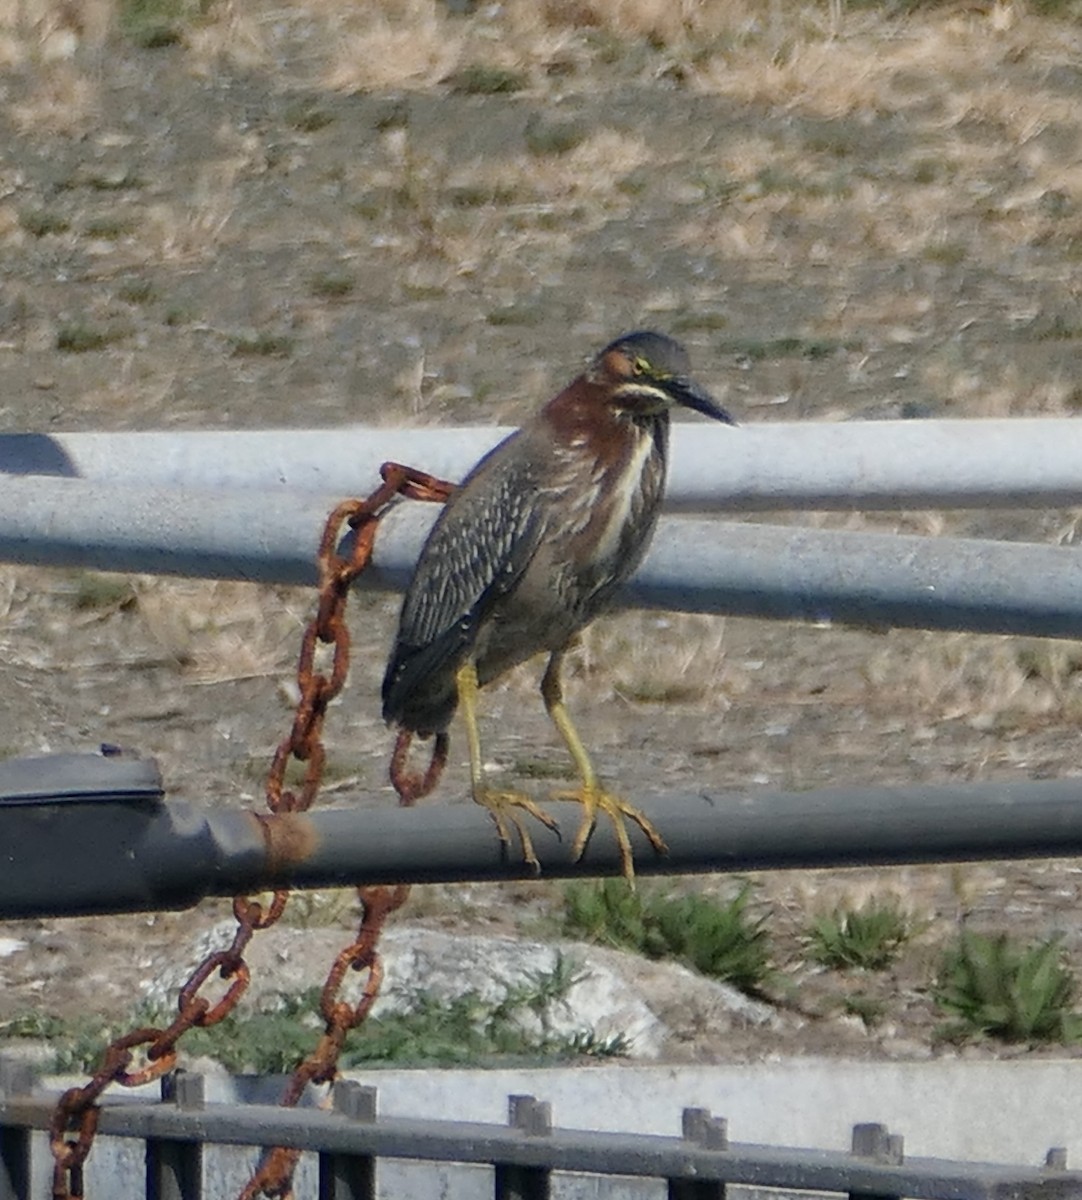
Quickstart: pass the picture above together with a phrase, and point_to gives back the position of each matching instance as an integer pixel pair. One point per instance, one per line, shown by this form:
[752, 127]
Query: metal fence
[356, 1153]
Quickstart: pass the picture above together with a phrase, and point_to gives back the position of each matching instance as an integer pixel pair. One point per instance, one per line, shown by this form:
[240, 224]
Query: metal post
[14, 1162]
[17, 1078]
[350, 1176]
[174, 1168]
[700, 1128]
[876, 1142]
[514, 1181]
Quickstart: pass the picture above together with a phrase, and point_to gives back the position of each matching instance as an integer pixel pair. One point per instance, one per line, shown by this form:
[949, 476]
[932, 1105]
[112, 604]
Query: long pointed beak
[688, 393]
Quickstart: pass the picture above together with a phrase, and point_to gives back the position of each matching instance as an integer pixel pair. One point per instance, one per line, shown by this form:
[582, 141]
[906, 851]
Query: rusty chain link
[75, 1119]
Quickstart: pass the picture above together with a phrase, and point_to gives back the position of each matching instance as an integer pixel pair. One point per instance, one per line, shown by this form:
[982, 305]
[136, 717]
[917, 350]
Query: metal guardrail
[1021, 462]
[117, 844]
[693, 565]
[350, 1140]
[250, 506]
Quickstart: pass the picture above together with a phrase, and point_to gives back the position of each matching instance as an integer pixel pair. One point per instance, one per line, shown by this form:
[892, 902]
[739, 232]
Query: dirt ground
[315, 213]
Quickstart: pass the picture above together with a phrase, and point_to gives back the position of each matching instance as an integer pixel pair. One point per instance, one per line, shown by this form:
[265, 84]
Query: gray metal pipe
[130, 851]
[712, 830]
[693, 566]
[843, 465]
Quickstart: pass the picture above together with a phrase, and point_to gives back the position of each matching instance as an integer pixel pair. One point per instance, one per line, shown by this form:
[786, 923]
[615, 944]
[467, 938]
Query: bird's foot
[503, 808]
[594, 799]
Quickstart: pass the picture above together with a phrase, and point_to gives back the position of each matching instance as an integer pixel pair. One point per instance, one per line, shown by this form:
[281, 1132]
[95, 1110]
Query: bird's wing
[476, 553]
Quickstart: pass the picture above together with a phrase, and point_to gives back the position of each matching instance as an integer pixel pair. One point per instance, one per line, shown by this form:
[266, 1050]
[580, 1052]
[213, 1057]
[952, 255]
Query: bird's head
[647, 373]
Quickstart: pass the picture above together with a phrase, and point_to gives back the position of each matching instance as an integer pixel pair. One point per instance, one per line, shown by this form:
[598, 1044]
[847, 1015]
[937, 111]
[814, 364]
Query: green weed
[77, 338]
[869, 938]
[137, 291]
[516, 314]
[868, 1008]
[94, 591]
[39, 222]
[995, 986]
[554, 137]
[476, 79]
[759, 349]
[110, 228]
[611, 914]
[153, 24]
[543, 768]
[724, 941]
[309, 117]
[333, 285]
[467, 1029]
[263, 345]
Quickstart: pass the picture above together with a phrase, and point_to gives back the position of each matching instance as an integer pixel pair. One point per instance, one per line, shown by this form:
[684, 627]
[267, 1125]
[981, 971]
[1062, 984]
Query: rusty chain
[75, 1119]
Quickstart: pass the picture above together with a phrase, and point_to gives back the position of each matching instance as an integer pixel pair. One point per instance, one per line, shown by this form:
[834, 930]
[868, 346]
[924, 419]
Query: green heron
[531, 547]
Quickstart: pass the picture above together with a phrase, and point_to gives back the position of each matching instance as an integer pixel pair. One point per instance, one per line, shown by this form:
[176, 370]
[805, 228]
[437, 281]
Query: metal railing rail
[524, 1153]
[694, 565]
[119, 845]
[1025, 462]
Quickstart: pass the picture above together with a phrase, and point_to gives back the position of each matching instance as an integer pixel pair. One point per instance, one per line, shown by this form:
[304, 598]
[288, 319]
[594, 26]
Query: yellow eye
[640, 366]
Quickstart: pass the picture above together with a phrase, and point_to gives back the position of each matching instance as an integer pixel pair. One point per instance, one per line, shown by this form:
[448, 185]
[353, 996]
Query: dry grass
[989, 683]
[651, 658]
[65, 101]
[210, 631]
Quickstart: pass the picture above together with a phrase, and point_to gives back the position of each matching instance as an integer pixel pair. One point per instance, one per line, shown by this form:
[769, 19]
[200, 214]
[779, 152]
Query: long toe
[619, 812]
[505, 809]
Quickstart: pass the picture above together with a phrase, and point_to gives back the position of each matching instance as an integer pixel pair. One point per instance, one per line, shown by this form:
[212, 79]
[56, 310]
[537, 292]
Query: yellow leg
[501, 805]
[591, 794]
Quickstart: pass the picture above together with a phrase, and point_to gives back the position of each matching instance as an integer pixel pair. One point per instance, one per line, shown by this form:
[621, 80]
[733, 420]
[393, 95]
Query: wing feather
[477, 551]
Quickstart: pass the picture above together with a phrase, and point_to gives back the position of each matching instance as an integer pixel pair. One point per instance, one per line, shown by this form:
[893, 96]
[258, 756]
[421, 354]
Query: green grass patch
[178, 314]
[870, 1009]
[94, 591]
[707, 321]
[946, 253]
[1056, 328]
[39, 222]
[332, 285]
[479, 196]
[869, 938]
[759, 349]
[775, 180]
[309, 117]
[723, 940]
[263, 345]
[154, 24]
[110, 228]
[554, 137]
[137, 291]
[662, 692]
[77, 338]
[516, 314]
[122, 179]
[426, 1030]
[478, 79]
[999, 987]
[543, 768]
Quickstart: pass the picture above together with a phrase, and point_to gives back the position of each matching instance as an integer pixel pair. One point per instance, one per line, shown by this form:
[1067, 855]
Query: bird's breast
[626, 489]
[603, 500]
